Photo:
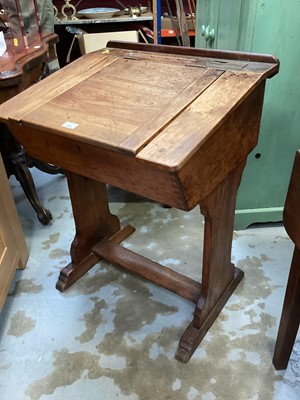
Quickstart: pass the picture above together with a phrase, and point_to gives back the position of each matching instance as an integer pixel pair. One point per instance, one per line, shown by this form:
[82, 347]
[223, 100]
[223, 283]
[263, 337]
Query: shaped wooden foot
[93, 222]
[193, 336]
[72, 272]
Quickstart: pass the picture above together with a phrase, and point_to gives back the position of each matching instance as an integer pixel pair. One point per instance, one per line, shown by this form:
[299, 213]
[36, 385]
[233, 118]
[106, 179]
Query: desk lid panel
[126, 98]
[37, 95]
[135, 142]
[182, 138]
[143, 101]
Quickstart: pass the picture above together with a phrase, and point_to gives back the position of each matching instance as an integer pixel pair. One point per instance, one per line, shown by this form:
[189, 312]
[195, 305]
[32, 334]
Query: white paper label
[70, 125]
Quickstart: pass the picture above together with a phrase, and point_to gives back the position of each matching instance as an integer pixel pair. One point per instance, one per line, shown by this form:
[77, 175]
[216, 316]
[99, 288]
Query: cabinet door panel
[13, 250]
[6, 270]
[264, 185]
[263, 26]
[221, 18]
[206, 16]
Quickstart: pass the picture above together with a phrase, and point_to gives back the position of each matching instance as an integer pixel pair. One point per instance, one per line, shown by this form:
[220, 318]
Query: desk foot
[192, 336]
[72, 272]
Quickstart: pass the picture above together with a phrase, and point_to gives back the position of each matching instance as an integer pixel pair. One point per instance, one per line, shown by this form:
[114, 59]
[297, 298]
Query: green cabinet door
[218, 24]
[263, 26]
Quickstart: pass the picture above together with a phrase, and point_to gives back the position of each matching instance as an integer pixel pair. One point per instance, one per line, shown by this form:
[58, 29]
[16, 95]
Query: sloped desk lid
[143, 100]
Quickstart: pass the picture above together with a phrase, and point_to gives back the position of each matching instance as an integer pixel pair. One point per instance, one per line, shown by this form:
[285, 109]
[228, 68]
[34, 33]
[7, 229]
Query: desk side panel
[223, 151]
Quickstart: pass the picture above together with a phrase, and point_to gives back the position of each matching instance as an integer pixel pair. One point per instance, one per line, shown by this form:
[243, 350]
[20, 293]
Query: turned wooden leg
[93, 222]
[15, 162]
[219, 276]
[23, 175]
[290, 317]
[42, 166]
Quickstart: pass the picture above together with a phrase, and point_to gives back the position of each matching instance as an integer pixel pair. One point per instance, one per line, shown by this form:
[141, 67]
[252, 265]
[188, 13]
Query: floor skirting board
[247, 217]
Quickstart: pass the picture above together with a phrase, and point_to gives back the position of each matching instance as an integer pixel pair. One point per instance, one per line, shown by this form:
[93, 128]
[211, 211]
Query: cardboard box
[166, 23]
[89, 42]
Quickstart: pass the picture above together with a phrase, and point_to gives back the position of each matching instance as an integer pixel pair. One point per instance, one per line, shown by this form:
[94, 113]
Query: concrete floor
[114, 336]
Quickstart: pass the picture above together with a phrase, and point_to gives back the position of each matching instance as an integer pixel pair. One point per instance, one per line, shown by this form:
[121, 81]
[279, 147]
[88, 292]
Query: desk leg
[219, 276]
[93, 222]
[290, 316]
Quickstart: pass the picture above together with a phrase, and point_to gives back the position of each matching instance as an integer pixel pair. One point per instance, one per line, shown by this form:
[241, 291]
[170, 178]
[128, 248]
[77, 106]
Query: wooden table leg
[93, 222]
[15, 161]
[219, 276]
[290, 317]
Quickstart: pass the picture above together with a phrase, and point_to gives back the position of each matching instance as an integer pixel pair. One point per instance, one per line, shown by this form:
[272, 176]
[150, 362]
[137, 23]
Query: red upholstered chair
[290, 317]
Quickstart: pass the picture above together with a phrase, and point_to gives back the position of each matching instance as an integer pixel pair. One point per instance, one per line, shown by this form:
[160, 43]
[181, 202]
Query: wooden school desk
[172, 124]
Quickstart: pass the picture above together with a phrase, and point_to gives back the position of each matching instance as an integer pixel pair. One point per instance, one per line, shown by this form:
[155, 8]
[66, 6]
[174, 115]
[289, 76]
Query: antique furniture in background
[155, 21]
[173, 124]
[25, 61]
[290, 317]
[16, 74]
[68, 50]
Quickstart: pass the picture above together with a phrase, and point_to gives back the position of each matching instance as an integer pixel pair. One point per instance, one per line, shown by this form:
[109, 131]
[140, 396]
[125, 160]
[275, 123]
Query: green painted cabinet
[262, 26]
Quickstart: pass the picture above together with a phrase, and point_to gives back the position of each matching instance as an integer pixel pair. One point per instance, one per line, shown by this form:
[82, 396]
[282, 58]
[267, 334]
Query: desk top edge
[200, 52]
